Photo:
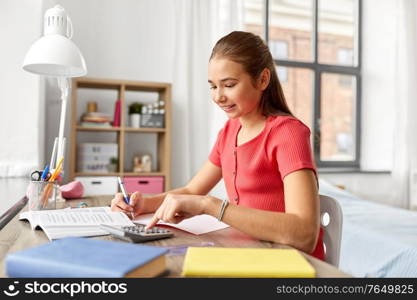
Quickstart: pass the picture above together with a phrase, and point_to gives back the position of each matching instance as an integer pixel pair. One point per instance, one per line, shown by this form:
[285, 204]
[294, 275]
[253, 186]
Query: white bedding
[377, 240]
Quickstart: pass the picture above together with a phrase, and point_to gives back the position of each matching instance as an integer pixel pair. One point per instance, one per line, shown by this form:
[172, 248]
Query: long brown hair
[253, 54]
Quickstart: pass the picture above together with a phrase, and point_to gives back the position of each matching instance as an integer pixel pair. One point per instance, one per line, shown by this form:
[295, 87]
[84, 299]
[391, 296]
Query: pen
[51, 179]
[57, 170]
[45, 173]
[125, 197]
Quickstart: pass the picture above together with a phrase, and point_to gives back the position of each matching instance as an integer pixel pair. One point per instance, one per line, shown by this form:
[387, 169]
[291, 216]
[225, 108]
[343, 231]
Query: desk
[18, 235]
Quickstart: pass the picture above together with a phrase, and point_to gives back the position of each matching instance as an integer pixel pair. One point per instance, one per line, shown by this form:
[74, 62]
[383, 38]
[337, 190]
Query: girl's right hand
[135, 207]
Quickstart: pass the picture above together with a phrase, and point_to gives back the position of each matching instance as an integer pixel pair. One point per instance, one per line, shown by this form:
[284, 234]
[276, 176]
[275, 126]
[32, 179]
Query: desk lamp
[55, 55]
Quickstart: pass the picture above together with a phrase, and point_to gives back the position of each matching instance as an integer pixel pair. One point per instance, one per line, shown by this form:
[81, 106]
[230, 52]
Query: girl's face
[232, 88]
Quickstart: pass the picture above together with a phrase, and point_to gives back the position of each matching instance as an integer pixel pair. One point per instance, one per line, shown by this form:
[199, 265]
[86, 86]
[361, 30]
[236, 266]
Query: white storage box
[99, 185]
[93, 163]
[98, 148]
[95, 157]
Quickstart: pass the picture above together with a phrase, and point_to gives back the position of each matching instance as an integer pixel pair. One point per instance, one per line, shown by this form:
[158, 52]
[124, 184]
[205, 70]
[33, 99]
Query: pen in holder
[42, 195]
[47, 190]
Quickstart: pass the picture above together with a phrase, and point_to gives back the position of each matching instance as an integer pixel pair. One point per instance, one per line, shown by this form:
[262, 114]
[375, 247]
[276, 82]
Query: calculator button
[138, 234]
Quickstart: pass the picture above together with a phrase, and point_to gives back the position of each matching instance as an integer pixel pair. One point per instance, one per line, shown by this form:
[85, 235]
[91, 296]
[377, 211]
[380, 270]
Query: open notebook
[77, 222]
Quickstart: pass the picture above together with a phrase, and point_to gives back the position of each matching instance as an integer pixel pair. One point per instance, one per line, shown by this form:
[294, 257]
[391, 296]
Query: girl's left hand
[176, 208]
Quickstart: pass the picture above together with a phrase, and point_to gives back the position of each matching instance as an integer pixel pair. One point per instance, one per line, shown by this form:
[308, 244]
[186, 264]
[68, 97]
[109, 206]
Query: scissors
[37, 176]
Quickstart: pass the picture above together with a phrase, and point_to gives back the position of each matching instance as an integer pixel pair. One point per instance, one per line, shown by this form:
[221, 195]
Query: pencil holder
[42, 195]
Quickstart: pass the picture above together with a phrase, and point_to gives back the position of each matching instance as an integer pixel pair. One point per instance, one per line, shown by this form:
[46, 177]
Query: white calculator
[137, 233]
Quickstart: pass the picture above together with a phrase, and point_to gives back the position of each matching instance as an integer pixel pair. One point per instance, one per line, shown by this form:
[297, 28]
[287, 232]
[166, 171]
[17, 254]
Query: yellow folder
[245, 262]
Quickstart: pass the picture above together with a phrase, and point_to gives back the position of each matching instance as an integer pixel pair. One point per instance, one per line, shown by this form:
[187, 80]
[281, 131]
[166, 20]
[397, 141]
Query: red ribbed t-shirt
[254, 171]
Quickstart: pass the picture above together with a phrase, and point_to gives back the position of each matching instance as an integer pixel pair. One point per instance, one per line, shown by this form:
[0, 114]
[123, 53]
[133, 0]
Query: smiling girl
[263, 154]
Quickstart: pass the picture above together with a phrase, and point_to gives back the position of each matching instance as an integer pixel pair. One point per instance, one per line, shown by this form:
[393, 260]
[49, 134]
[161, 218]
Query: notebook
[78, 222]
[84, 257]
[245, 262]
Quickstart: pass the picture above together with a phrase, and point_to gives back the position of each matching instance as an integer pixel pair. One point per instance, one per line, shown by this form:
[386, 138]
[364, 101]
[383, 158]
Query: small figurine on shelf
[134, 113]
[142, 163]
[147, 163]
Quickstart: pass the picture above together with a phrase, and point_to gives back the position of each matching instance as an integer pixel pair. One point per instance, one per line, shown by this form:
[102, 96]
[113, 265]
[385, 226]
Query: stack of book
[95, 119]
[82, 257]
[245, 262]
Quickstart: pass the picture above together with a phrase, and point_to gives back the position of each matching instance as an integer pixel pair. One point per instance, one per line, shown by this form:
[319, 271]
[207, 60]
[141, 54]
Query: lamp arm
[64, 84]
[70, 30]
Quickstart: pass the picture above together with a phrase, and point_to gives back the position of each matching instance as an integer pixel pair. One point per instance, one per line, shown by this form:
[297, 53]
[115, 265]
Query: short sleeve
[214, 155]
[294, 148]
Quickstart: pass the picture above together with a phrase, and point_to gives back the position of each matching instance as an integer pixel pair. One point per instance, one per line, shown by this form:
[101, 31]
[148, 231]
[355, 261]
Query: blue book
[84, 257]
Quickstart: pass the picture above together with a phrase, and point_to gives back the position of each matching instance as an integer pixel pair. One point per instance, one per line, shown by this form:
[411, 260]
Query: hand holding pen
[126, 198]
[133, 207]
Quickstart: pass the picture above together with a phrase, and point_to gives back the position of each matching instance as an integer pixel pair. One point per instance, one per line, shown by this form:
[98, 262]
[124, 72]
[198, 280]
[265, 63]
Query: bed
[377, 240]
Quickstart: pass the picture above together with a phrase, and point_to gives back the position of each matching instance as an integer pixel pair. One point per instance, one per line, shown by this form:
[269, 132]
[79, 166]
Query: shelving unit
[163, 159]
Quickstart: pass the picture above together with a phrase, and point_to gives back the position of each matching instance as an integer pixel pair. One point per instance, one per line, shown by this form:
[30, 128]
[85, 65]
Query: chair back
[331, 220]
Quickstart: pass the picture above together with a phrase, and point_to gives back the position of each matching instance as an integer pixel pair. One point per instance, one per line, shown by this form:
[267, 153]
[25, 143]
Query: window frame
[318, 69]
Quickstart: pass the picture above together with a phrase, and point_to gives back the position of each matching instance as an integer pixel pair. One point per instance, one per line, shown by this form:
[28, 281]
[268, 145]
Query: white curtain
[21, 97]
[198, 25]
[405, 131]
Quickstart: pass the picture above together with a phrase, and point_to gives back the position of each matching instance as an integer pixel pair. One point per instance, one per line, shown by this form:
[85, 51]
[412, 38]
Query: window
[279, 49]
[345, 56]
[282, 73]
[316, 47]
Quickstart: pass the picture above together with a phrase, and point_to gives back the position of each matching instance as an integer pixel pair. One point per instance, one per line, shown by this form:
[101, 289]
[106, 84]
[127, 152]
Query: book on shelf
[96, 124]
[76, 222]
[95, 119]
[85, 257]
[245, 262]
[117, 111]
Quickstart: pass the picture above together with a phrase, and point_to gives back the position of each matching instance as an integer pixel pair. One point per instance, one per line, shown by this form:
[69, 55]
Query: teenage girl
[263, 154]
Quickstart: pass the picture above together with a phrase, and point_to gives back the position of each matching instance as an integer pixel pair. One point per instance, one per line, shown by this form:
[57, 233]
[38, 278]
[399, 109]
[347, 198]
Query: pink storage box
[145, 185]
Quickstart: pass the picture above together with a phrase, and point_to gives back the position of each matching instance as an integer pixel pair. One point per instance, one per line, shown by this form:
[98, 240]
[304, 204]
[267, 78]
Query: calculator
[137, 233]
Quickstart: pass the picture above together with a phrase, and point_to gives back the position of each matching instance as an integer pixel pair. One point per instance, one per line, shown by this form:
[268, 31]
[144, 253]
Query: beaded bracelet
[222, 209]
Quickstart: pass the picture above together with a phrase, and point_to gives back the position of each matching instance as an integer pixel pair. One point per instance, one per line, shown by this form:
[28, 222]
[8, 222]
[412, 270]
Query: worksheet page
[76, 217]
[196, 225]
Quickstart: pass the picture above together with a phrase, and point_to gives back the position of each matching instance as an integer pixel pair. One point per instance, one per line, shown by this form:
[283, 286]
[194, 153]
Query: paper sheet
[196, 225]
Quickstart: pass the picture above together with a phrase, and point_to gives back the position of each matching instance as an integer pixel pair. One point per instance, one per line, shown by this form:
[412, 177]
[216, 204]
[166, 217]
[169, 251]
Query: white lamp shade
[55, 55]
